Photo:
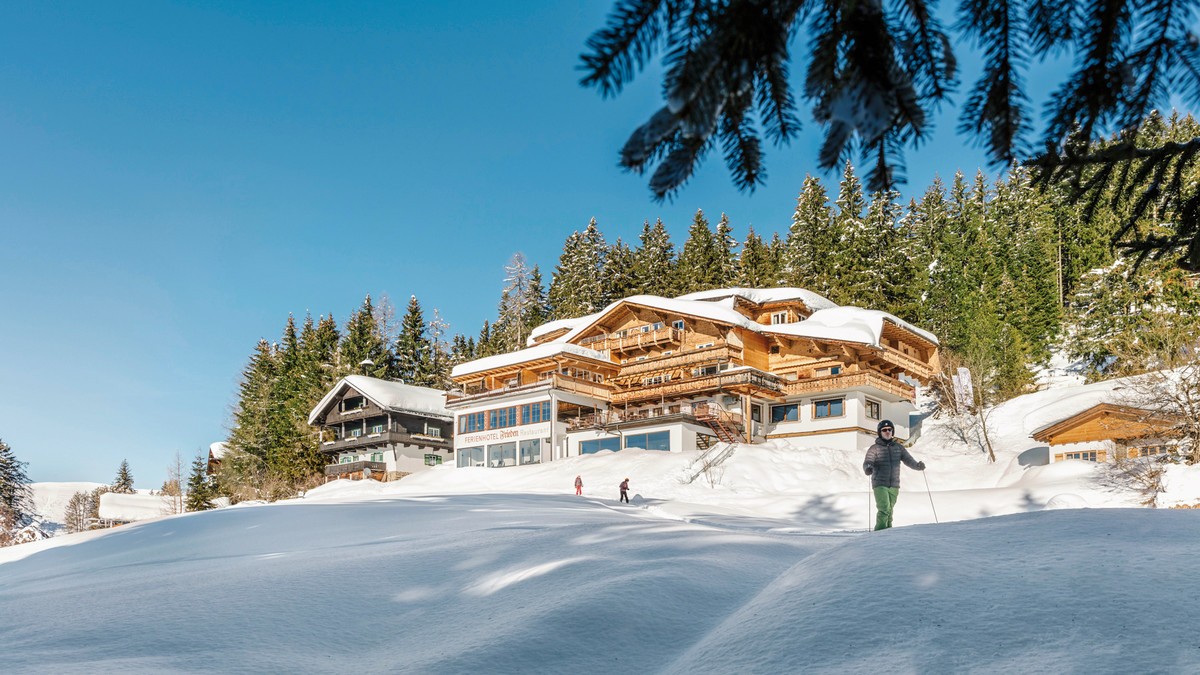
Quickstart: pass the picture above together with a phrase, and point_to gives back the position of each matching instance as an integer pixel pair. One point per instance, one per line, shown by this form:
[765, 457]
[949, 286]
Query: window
[353, 403]
[706, 345]
[644, 329]
[774, 349]
[592, 447]
[640, 358]
[1149, 451]
[376, 456]
[872, 409]
[785, 413]
[502, 454]
[470, 456]
[470, 422]
[531, 451]
[658, 325]
[659, 440]
[502, 417]
[704, 371]
[431, 430]
[356, 432]
[779, 317]
[532, 413]
[1087, 456]
[677, 324]
[376, 426]
[346, 459]
[832, 407]
[512, 381]
[756, 413]
[668, 353]
[835, 370]
[433, 460]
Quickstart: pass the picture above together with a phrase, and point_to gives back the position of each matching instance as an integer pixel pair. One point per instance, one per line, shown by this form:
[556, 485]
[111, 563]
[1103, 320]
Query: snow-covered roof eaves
[846, 324]
[534, 353]
[762, 296]
[551, 326]
[389, 395]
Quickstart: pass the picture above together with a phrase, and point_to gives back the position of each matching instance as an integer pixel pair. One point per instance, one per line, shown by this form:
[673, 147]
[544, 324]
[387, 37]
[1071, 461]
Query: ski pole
[870, 489]
[930, 493]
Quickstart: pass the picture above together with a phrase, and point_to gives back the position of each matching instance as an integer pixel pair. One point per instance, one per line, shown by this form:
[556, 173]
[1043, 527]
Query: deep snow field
[765, 566]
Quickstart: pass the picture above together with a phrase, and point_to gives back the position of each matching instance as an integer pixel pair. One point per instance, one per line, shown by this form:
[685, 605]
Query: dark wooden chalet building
[380, 429]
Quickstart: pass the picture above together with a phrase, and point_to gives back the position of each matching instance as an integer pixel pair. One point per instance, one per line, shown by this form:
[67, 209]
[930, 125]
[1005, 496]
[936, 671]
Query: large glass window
[502, 417]
[659, 440]
[502, 454]
[594, 446]
[828, 408]
[785, 413]
[470, 422]
[353, 403]
[531, 451]
[470, 456]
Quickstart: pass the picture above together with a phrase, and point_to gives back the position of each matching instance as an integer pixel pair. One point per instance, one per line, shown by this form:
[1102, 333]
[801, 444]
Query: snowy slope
[763, 567]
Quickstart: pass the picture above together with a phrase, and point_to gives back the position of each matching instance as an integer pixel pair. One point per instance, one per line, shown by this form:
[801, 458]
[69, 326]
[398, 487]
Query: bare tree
[1166, 396]
[172, 490]
[966, 400]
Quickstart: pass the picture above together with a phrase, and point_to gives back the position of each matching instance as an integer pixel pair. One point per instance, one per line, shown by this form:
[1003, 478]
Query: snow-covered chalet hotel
[373, 428]
[733, 365]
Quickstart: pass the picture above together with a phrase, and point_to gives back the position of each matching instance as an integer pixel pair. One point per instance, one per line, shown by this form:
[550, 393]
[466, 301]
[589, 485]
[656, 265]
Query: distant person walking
[578, 485]
[625, 490]
[882, 464]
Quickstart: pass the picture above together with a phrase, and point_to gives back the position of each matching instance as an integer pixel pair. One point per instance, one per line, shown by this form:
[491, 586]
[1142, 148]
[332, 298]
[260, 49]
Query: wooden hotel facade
[733, 365]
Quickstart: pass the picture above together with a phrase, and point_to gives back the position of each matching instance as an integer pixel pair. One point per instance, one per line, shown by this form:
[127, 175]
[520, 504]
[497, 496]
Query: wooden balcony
[376, 468]
[618, 419]
[634, 340]
[817, 385]
[396, 435]
[748, 381]
[558, 381]
[912, 365]
[719, 352]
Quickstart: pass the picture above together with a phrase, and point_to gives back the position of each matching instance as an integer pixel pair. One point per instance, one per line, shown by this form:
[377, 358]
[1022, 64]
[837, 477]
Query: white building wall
[852, 431]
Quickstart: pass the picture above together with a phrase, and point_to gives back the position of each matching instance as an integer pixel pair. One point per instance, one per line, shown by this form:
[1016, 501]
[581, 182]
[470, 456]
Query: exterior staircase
[726, 429]
[708, 460]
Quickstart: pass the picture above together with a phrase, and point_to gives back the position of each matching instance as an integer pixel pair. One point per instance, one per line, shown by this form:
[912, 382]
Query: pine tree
[700, 263]
[364, 350]
[811, 241]
[654, 262]
[123, 483]
[756, 263]
[413, 350]
[290, 453]
[251, 433]
[518, 301]
[439, 352]
[577, 288]
[538, 311]
[16, 498]
[620, 272]
[726, 272]
[845, 263]
[199, 491]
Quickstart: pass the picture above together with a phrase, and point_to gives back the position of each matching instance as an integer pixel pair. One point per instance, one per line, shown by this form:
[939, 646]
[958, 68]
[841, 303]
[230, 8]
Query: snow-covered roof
[530, 354]
[552, 326]
[848, 324]
[128, 508]
[722, 312]
[217, 450]
[763, 296]
[389, 395]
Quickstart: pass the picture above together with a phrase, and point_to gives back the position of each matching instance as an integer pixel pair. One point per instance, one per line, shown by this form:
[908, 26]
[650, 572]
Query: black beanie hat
[885, 424]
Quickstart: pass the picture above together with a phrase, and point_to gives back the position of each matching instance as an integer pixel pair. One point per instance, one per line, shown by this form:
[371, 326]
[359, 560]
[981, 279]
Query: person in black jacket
[883, 466]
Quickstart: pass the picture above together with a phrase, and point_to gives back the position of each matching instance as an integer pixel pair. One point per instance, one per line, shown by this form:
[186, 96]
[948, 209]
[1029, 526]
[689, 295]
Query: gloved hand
[869, 470]
[920, 466]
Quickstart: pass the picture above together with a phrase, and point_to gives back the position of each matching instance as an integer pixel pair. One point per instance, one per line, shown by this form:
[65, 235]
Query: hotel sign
[518, 433]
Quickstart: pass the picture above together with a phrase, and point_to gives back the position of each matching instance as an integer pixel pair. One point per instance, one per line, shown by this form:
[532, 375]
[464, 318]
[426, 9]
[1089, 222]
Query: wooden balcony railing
[911, 364]
[687, 412]
[633, 340]
[556, 381]
[396, 434]
[755, 381]
[355, 467]
[816, 385]
[719, 352]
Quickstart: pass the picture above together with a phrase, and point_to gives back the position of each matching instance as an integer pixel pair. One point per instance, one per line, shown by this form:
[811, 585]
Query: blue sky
[179, 176]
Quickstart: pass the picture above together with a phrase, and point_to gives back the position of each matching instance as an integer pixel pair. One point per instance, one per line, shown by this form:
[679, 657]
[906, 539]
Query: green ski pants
[885, 502]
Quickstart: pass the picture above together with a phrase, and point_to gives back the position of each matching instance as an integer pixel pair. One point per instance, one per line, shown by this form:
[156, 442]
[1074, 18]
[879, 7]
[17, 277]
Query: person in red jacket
[625, 490]
[578, 485]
